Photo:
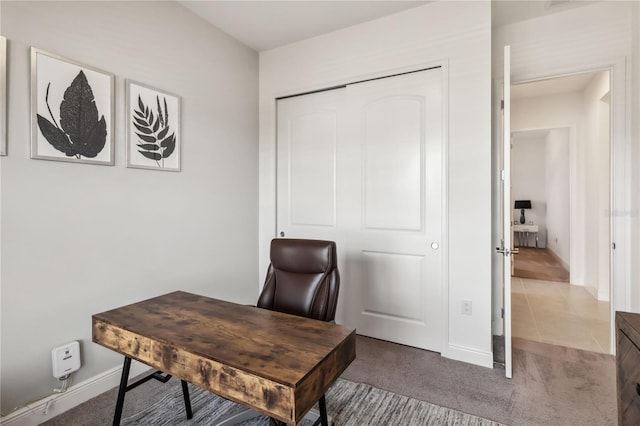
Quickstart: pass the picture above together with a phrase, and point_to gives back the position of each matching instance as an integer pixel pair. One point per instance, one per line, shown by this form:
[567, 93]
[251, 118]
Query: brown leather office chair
[303, 280]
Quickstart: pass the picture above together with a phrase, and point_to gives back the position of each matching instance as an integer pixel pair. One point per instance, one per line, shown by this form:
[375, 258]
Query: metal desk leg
[187, 400]
[122, 390]
[322, 405]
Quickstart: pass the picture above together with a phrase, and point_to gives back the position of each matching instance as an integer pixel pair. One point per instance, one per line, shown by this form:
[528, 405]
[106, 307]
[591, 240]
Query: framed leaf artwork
[3, 96]
[71, 111]
[153, 128]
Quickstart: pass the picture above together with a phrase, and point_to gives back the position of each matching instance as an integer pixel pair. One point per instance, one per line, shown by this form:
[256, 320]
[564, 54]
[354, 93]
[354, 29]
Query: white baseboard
[603, 294]
[34, 412]
[472, 356]
[564, 263]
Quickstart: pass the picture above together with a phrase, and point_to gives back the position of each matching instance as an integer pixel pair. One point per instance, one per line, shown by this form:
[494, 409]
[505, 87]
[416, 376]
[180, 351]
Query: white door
[308, 129]
[307, 137]
[506, 249]
[386, 213]
[394, 209]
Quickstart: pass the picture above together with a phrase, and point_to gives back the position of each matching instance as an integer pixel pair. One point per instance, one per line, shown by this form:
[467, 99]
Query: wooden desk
[627, 371]
[274, 363]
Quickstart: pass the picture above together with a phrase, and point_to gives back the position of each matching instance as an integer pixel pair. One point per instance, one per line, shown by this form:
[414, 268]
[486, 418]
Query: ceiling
[504, 12]
[552, 86]
[266, 24]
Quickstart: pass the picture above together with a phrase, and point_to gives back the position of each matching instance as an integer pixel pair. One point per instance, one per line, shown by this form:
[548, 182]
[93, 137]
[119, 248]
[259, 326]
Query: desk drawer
[525, 228]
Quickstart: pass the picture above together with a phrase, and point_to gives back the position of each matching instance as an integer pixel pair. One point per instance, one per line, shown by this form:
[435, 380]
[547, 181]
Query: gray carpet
[551, 385]
[350, 404]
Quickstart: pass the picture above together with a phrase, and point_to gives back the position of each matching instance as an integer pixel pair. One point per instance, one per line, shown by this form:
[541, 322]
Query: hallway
[539, 264]
[559, 314]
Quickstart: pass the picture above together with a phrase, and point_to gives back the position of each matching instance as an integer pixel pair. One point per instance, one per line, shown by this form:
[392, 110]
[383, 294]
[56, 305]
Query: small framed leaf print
[71, 111]
[153, 128]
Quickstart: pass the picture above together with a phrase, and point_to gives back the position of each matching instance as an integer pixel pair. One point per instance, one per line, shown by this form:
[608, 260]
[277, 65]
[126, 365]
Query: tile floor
[559, 314]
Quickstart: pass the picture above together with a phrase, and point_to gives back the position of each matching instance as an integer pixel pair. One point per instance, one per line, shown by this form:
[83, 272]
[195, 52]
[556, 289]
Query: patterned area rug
[348, 403]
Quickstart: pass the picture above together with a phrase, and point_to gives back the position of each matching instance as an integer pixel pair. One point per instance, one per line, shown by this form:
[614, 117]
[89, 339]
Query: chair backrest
[302, 279]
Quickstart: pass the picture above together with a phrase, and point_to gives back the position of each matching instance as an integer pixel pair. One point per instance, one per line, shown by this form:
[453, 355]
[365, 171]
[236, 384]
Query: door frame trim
[620, 166]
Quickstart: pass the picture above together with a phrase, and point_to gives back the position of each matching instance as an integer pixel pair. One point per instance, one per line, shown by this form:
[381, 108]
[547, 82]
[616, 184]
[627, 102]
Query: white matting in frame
[153, 128]
[71, 111]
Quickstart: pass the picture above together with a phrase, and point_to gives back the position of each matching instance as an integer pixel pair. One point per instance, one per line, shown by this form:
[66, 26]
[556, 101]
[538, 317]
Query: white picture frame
[3, 96]
[153, 119]
[72, 111]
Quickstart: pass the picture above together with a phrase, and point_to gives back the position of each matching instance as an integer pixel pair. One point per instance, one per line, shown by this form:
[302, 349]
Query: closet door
[363, 166]
[393, 213]
[307, 143]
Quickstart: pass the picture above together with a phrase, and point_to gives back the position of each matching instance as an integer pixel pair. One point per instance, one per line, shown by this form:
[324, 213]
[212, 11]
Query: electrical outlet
[466, 307]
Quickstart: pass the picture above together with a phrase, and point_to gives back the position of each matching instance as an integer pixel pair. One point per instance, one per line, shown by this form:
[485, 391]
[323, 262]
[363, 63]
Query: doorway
[561, 163]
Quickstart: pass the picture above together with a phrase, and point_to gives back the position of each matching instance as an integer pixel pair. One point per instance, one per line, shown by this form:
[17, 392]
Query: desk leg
[123, 389]
[322, 405]
[187, 400]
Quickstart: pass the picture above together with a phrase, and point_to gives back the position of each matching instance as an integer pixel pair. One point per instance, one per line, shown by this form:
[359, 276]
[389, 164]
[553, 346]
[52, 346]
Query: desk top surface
[279, 347]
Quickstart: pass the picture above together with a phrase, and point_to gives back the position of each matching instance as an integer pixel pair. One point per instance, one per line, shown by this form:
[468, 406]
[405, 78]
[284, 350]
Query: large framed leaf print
[71, 110]
[153, 128]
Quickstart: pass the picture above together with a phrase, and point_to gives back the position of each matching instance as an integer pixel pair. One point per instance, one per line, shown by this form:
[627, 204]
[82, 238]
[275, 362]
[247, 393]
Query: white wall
[585, 38]
[80, 239]
[554, 112]
[528, 171]
[457, 35]
[558, 193]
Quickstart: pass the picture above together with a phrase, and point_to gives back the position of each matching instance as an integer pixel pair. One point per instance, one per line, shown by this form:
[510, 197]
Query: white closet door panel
[307, 150]
[397, 302]
[392, 139]
[394, 212]
[312, 161]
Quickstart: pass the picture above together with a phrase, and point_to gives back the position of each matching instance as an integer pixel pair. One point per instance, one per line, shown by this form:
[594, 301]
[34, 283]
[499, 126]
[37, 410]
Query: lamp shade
[522, 204]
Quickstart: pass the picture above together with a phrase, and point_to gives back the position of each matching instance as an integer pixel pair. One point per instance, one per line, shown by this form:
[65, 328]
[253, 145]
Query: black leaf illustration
[140, 121]
[143, 129]
[146, 138]
[162, 121]
[55, 137]
[166, 112]
[152, 155]
[95, 140]
[163, 133]
[153, 130]
[169, 144]
[81, 133]
[149, 146]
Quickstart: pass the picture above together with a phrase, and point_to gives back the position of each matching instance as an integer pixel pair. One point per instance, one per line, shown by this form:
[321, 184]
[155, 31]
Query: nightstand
[523, 232]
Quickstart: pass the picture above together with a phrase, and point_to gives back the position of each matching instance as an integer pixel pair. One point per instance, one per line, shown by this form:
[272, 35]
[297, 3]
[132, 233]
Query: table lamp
[522, 204]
